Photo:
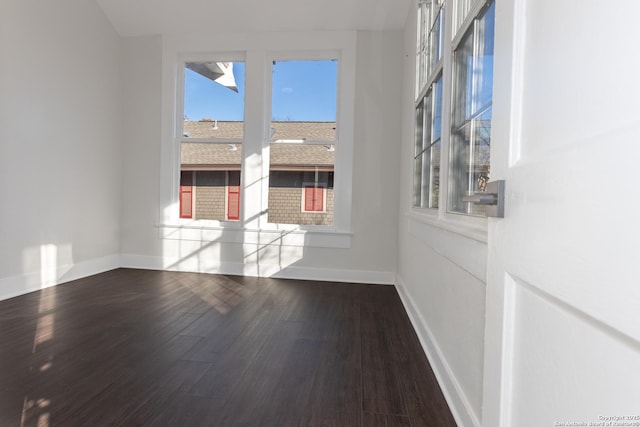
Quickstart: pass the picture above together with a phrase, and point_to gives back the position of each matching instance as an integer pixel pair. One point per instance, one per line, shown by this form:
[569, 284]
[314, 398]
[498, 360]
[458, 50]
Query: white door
[563, 288]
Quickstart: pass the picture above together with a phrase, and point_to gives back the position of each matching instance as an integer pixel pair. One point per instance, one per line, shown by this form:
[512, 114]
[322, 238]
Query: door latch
[493, 199]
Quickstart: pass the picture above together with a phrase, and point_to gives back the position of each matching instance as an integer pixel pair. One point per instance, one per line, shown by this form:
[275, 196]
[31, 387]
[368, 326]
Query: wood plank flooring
[152, 348]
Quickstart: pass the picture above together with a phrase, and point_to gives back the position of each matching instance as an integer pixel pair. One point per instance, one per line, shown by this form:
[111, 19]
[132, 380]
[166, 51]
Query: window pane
[427, 148]
[471, 127]
[484, 66]
[297, 172]
[213, 111]
[436, 38]
[470, 157]
[419, 128]
[435, 175]
[437, 110]
[303, 142]
[463, 75]
[304, 92]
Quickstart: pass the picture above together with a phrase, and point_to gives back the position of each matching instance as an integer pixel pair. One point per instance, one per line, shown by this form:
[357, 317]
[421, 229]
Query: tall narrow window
[212, 135]
[428, 137]
[303, 141]
[471, 113]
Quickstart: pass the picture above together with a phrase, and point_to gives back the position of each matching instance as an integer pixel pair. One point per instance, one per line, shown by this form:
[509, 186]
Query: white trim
[268, 270]
[455, 397]
[278, 237]
[23, 284]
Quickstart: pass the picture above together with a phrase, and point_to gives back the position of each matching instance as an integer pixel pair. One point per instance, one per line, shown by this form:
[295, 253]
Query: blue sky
[302, 91]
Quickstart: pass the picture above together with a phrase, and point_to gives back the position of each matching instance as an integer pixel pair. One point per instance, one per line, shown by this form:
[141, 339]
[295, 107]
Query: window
[471, 113]
[313, 198]
[222, 121]
[428, 144]
[211, 140]
[460, 70]
[186, 194]
[302, 141]
[428, 138]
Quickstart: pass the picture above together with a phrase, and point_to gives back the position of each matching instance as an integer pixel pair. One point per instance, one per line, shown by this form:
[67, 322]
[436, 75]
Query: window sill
[263, 237]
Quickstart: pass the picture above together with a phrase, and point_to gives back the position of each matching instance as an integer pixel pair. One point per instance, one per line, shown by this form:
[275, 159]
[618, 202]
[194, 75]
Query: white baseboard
[269, 270]
[458, 402]
[19, 285]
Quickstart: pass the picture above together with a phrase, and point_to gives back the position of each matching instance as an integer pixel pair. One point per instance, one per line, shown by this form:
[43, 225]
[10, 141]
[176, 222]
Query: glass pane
[304, 93]
[435, 174]
[419, 128]
[437, 110]
[417, 181]
[213, 109]
[460, 179]
[463, 74]
[214, 91]
[217, 173]
[471, 130]
[482, 150]
[436, 39]
[484, 61]
[425, 179]
[294, 167]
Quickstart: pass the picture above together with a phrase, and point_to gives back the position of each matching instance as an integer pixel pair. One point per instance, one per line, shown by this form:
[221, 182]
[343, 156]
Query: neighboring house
[302, 158]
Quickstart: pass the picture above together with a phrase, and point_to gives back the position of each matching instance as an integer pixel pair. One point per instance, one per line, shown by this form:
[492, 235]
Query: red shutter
[233, 196]
[186, 194]
[233, 204]
[314, 199]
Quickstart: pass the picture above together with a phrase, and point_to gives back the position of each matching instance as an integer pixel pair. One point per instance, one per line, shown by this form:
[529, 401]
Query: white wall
[60, 143]
[441, 277]
[371, 257]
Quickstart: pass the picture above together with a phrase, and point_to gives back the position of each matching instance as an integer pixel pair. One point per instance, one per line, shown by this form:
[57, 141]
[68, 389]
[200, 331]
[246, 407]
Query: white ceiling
[147, 17]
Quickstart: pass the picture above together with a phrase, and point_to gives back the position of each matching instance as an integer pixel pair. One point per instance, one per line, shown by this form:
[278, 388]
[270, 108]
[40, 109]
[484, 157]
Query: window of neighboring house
[233, 196]
[303, 141]
[428, 136]
[186, 194]
[469, 167]
[211, 138]
[313, 197]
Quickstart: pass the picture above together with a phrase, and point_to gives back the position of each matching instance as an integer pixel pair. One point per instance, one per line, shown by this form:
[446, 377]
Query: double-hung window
[454, 79]
[212, 131]
[428, 137]
[262, 139]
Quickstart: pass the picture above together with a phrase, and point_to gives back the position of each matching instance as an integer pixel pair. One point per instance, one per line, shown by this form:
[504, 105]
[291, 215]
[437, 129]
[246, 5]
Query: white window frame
[256, 51]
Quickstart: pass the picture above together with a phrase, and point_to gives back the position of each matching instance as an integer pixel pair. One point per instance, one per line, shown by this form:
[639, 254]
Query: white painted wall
[372, 254]
[441, 276]
[60, 160]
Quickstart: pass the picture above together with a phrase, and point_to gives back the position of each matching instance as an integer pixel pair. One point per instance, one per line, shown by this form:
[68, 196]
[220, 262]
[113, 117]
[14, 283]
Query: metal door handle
[482, 199]
[493, 199]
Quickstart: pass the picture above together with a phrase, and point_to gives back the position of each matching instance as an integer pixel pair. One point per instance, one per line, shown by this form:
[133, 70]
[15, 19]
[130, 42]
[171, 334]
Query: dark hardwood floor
[151, 348]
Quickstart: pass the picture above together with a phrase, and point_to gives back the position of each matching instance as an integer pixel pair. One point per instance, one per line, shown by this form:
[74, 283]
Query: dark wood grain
[154, 348]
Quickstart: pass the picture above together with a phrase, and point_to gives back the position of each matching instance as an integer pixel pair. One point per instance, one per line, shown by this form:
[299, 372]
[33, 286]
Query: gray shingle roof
[310, 131]
[284, 156]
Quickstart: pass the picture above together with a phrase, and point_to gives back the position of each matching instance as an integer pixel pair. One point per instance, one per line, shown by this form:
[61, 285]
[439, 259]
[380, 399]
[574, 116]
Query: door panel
[568, 367]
